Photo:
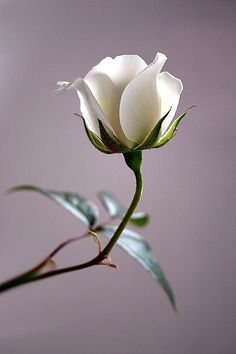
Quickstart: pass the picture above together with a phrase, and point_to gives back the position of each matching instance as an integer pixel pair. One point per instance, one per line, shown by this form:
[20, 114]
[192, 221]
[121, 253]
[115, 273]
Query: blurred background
[189, 185]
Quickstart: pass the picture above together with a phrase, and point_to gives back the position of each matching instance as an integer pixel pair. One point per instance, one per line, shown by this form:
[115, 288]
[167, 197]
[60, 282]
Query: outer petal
[109, 100]
[121, 70]
[63, 86]
[107, 80]
[140, 106]
[89, 106]
[169, 88]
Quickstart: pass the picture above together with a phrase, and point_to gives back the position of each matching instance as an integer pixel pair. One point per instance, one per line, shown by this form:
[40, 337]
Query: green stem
[18, 280]
[130, 211]
[134, 161]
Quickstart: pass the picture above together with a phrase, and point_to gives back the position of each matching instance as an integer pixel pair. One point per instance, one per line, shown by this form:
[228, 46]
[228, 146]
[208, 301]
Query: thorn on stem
[109, 264]
[49, 265]
[52, 264]
[106, 260]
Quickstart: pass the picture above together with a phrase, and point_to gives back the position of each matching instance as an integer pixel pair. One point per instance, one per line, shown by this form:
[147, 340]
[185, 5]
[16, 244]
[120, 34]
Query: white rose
[127, 104]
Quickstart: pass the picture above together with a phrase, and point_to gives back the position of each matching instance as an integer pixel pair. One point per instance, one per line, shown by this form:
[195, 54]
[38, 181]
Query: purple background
[189, 184]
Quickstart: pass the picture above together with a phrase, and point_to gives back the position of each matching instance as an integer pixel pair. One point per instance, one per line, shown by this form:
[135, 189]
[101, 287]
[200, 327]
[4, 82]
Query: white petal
[121, 70]
[89, 106]
[63, 86]
[169, 88]
[107, 81]
[140, 106]
[104, 92]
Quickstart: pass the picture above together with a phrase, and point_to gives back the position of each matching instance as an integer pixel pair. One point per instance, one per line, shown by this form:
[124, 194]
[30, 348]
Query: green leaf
[170, 133]
[153, 135]
[138, 248]
[116, 209]
[81, 208]
[140, 219]
[111, 204]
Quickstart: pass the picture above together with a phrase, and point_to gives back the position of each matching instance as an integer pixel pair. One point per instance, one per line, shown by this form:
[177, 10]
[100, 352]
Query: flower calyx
[108, 143]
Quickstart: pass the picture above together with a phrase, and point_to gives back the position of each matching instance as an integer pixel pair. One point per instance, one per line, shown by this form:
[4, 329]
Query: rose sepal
[109, 139]
[153, 136]
[94, 139]
[171, 132]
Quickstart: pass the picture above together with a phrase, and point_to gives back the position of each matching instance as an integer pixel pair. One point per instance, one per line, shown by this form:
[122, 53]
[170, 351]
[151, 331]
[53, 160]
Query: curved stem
[134, 161]
[34, 273]
[129, 213]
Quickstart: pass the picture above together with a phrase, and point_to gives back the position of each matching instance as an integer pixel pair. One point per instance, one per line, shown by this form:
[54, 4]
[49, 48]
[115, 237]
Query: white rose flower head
[127, 105]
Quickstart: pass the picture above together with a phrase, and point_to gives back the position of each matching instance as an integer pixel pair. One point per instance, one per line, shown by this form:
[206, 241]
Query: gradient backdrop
[189, 184]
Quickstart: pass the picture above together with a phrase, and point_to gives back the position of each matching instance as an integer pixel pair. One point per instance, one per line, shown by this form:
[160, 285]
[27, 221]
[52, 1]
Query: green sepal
[170, 133]
[116, 210]
[138, 248]
[152, 137]
[109, 139]
[94, 139]
[81, 208]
